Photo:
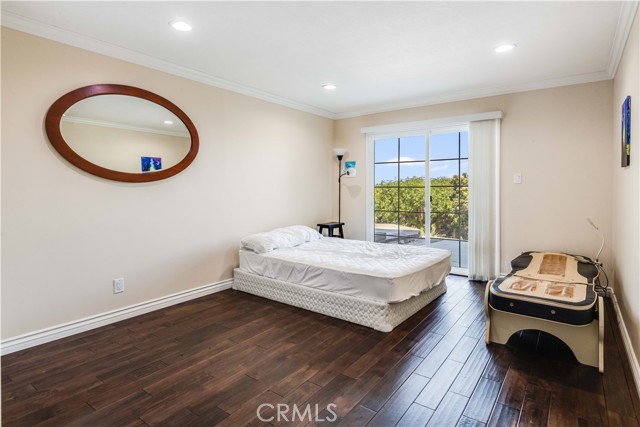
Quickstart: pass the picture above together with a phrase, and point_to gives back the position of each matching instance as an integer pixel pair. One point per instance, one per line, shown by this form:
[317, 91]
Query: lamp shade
[340, 151]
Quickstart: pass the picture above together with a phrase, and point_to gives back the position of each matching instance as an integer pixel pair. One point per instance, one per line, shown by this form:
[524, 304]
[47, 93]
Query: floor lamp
[340, 152]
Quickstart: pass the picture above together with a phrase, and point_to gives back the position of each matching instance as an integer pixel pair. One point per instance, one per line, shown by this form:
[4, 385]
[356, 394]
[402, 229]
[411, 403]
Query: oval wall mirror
[122, 133]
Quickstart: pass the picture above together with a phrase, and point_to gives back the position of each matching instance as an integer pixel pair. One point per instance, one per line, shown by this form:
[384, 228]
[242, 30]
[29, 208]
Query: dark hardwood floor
[225, 358]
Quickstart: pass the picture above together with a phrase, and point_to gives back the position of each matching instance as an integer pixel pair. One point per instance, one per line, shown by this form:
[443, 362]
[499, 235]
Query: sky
[414, 149]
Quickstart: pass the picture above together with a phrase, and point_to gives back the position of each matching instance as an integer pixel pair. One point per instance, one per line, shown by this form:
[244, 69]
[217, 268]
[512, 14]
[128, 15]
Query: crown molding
[625, 21]
[481, 93]
[37, 28]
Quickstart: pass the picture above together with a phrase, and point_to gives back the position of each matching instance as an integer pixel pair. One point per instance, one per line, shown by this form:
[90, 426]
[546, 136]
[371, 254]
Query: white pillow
[301, 232]
[259, 242]
[286, 237]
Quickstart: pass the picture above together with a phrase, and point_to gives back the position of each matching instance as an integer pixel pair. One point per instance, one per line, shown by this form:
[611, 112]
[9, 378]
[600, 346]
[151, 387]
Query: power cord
[601, 290]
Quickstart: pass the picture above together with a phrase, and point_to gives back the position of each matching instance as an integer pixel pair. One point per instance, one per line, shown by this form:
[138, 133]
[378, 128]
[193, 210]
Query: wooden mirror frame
[54, 117]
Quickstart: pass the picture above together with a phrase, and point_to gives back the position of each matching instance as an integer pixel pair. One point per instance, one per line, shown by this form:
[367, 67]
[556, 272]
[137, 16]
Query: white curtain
[484, 199]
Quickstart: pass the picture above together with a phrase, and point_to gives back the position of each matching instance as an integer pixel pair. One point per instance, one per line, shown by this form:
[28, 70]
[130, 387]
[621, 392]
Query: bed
[372, 284]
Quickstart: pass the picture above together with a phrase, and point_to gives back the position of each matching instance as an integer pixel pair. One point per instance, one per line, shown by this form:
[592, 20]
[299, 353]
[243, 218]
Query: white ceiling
[381, 55]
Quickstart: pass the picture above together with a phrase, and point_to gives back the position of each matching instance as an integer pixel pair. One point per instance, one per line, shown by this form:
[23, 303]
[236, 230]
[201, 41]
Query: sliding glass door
[410, 209]
[449, 195]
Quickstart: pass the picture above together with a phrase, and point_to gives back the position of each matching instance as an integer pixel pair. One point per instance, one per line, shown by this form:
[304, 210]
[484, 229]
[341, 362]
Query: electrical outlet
[517, 178]
[118, 285]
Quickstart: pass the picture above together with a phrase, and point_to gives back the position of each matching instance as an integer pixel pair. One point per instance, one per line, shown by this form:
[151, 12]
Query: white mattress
[382, 272]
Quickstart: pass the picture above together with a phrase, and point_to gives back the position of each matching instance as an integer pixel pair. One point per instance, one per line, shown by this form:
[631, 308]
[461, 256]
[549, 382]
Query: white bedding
[383, 272]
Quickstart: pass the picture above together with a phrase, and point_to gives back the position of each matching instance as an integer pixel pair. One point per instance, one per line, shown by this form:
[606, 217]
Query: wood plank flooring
[229, 357]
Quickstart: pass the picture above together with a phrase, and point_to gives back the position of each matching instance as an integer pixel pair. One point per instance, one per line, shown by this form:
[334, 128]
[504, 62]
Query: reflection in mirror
[122, 133]
[117, 131]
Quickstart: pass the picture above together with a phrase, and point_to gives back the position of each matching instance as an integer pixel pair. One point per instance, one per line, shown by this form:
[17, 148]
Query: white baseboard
[42, 336]
[633, 358]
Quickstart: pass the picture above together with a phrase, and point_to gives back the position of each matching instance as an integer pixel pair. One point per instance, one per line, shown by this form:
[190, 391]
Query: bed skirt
[373, 314]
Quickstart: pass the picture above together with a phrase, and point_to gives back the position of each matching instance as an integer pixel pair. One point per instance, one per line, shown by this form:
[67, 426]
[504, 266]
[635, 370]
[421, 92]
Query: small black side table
[330, 226]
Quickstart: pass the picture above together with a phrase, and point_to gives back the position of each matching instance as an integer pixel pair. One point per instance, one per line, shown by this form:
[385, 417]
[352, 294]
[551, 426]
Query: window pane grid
[447, 160]
[449, 192]
[407, 161]
[400, 218]
[398, 211]
[404, 187]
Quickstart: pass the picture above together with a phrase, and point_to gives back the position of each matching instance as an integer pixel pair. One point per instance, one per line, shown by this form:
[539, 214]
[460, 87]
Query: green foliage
[449, 205]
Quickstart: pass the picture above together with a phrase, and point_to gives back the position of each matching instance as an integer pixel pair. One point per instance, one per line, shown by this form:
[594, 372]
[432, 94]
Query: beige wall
[558, 139]
[67, 234]
[626, 192]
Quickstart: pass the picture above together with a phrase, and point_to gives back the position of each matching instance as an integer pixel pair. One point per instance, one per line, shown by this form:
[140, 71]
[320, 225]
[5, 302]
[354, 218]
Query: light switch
[517, 178]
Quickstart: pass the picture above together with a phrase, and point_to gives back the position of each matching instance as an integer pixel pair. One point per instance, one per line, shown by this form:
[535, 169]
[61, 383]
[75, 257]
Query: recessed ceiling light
[180, 25]
[329, 86]
[504, 48]
[168, 122]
